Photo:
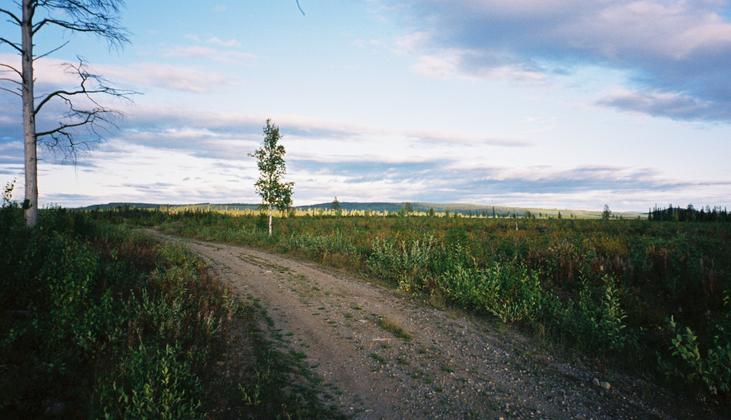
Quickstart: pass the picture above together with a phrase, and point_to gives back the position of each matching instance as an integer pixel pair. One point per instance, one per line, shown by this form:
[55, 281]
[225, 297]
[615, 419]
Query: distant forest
[689, 214]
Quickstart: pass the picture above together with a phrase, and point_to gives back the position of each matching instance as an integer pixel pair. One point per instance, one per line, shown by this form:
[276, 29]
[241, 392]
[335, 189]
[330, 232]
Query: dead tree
[83, 116]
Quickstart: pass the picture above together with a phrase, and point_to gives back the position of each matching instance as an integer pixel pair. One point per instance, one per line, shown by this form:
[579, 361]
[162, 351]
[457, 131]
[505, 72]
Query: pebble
[603, 384]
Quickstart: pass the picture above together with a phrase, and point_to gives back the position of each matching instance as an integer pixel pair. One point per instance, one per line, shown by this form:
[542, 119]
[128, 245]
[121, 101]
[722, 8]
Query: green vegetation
[639, 293]
[99, 321]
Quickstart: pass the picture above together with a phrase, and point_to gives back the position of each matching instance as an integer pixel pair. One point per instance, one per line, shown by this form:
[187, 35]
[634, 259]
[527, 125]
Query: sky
[534, 103]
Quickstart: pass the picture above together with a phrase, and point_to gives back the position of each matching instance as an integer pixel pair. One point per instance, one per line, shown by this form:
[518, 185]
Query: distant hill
[459, 208]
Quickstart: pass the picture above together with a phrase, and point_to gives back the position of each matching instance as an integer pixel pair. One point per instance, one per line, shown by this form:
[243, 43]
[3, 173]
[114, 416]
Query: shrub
[510, 292]
[709, 370]
[404, 262]
[596, 320]
[151, 382]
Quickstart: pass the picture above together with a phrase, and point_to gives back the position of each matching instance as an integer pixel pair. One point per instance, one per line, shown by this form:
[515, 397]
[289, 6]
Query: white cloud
[461, 63]
[167, 76]
[662, 103]
[136, 76]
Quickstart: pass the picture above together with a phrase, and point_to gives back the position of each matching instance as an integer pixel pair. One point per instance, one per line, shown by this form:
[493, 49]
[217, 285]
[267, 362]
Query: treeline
[689, 214]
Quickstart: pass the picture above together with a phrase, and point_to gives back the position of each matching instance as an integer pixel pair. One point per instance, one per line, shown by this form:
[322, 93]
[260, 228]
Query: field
[101, 320]
[628, 292]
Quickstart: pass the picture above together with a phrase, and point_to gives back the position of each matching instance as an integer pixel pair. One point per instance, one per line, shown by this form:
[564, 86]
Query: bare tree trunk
[29, 120]
[270, 220]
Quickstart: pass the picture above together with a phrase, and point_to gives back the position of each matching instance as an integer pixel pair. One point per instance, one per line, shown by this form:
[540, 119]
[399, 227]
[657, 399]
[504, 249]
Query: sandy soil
[391, 356]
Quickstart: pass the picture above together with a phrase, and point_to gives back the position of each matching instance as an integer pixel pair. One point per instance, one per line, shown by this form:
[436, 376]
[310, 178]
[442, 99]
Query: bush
[151, 382]
[596, 320]
[510, 292]
[404, 263]
[709, 370]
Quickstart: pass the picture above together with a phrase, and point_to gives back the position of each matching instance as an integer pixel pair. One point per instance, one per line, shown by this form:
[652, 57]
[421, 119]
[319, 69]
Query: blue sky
[541, 103]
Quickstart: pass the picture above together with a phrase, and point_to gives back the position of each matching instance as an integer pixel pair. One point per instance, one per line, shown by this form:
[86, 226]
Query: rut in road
[391, 356]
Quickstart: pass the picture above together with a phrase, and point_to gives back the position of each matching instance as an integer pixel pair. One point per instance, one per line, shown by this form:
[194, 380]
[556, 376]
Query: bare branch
[9, 67]
[300, 7]
[7, 79]
[14, 18]
[61, 128]
[38, 57]
[85, 77]
[11, 91]
[12, 44]
[100, 17]
[93, 120]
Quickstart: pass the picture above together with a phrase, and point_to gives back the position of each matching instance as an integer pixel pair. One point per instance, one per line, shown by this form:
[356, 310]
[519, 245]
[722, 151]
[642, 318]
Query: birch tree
[274, 192]
[83, 118]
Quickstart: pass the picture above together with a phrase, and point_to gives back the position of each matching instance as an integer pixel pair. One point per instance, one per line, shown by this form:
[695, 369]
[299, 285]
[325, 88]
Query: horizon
[624, 104]
[479, 206]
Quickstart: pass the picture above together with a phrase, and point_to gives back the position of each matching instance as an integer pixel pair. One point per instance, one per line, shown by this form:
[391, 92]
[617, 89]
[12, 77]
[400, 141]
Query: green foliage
[272, 168]
[507, 291]
[706, 368]
[596, 320]
[151, 382]
[402, 262]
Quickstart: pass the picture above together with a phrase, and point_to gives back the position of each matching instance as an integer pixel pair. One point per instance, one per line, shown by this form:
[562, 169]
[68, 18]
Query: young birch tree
[81, 114]
[274, 192]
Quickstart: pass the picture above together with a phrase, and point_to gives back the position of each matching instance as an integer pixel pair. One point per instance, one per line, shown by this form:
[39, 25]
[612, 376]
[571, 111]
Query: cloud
[166, 76]
[173, 155]
[211, 48]
[229, 136]
[452, 181]
[53, 73]
[666, 104]
[678, 47]
[462, 139]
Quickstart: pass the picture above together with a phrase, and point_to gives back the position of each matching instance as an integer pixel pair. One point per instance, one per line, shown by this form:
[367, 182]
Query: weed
[392, 327]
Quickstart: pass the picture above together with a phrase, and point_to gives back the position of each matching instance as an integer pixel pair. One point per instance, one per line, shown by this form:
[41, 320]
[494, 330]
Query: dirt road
[394, 357]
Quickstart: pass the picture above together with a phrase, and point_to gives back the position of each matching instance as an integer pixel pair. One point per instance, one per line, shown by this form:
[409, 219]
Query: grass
[378, 358]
